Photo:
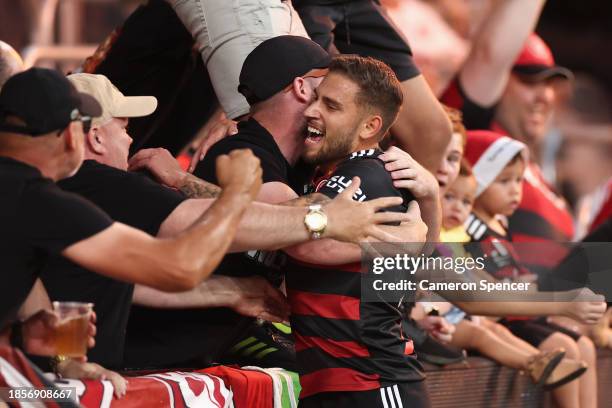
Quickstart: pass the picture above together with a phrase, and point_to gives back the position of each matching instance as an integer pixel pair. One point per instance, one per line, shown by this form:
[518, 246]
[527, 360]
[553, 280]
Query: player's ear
[371, 127]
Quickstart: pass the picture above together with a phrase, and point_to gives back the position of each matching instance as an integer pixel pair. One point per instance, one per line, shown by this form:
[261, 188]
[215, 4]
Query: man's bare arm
[249, 296]
[331, 252]
[194, 187]
[180, 263]
[485, 73]
[422, 114]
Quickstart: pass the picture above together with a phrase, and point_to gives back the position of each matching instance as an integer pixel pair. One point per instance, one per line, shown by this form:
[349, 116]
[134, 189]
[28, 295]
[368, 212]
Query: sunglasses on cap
[313, 73]
[75, 115]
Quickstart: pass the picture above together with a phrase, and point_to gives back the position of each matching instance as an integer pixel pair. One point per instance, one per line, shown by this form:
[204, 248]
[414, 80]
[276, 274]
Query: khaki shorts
[226, 31]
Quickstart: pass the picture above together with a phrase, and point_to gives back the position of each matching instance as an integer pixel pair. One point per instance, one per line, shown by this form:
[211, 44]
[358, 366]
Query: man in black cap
[278, 79]
[278, 93]
[41, 141]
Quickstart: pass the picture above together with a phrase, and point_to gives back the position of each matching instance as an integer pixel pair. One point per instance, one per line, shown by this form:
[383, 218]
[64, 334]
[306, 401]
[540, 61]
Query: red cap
[537, 61]
[488, 153]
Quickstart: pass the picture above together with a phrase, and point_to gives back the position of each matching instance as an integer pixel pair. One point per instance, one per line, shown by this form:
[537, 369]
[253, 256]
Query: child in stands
[483, 335]
[498, 164]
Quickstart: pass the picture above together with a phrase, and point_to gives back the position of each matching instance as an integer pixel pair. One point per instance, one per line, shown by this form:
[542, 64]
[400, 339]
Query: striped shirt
[342, 343]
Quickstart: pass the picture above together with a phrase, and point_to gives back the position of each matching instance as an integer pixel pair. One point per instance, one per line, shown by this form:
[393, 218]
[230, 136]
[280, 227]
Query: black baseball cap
[276, 62]
[44, 100]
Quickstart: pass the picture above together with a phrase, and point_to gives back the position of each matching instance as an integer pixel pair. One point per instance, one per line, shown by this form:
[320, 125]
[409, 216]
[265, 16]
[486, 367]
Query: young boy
[483, 335]
[498, 164]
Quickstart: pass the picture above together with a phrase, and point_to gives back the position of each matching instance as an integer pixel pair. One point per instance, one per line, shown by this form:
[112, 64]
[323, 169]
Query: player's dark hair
[379, 88]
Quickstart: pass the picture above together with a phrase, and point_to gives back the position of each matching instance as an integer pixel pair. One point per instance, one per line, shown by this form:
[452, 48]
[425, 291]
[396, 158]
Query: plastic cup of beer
[70, 335]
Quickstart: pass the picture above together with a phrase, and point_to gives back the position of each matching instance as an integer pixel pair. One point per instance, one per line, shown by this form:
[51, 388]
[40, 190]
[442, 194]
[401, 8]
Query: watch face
[316, 221]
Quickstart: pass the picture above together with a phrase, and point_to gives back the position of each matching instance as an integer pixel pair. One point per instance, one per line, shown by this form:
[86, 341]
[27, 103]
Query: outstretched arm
[485, 73]
[182, 262]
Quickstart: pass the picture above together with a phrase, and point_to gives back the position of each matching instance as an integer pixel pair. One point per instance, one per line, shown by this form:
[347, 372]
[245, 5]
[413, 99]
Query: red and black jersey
[541, 217]
[342, 343]
[501, 259]
[542, 214]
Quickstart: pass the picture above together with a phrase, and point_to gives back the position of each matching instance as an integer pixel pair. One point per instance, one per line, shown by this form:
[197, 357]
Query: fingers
[394, 153]
[391, 217]
[195, 159]
[120, 384]
[406, 184]
[414, 211]
[351, 189]
[137, 160]
[404, 174]
[376, 234]
[384, 202]
[272, 317]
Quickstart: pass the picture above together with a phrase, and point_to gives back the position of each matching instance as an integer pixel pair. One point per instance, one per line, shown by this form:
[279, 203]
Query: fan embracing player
[352, 353]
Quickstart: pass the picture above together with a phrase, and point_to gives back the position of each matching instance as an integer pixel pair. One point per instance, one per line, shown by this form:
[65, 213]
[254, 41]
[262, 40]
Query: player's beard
[334, 147]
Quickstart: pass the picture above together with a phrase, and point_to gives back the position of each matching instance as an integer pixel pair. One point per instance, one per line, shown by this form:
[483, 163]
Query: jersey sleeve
[272, 169]
[53, 219]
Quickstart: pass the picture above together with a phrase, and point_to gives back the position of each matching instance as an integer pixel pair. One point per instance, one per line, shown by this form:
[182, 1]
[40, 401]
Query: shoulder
[95, 179]
[240, 141]
[375, 180]
[272, 162]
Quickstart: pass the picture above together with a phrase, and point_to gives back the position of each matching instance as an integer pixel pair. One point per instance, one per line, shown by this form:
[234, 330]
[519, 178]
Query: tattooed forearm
[194, 187]
[304, 201]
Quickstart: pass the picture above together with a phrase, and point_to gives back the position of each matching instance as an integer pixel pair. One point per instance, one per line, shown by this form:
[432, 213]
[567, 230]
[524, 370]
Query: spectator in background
[498, 164]
[362, 27]
[513, 90]
[438, 46]
[42, 119]
[10, 62]
[583, 127]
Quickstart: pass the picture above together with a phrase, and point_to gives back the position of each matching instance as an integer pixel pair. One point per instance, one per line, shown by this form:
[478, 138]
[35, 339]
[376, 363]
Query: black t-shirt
[362, 342]
[38, 219]
[276, 168]
[132, 199]
[251, 135]
[195, 337]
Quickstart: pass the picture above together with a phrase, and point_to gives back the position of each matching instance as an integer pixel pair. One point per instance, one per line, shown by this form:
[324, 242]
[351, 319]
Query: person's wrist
[237, 193]
[180, 178]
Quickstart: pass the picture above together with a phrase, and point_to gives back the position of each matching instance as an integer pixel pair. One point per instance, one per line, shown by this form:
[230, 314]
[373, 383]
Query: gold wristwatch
[315, 221]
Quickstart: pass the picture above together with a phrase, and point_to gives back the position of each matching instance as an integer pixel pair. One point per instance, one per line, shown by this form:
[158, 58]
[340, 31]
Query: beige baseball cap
[114, 103]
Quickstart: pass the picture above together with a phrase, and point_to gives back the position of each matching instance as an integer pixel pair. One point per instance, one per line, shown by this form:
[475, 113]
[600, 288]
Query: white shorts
[226, 31]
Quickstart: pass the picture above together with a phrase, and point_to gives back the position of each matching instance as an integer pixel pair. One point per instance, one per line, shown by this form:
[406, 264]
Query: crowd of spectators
[209, 177]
